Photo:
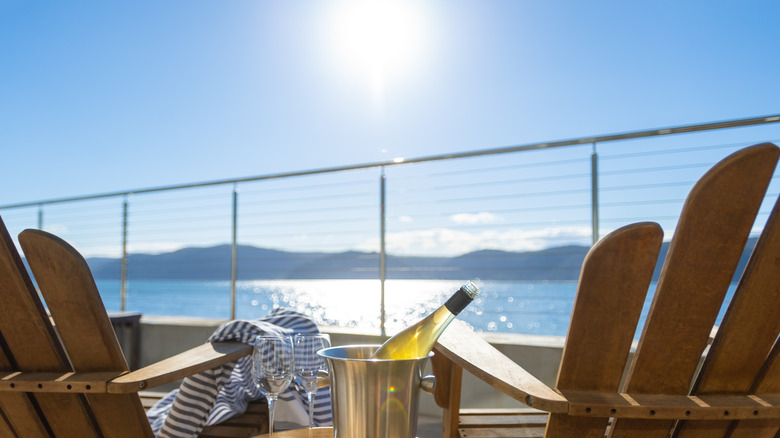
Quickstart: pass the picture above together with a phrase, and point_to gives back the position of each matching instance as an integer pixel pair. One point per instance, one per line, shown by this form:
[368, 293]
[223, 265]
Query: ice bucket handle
[427, 384]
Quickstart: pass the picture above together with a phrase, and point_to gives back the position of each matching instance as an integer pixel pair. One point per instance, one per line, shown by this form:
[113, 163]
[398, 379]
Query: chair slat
[5, 428]
[81, 319]
[33, 345]
[703, 255]
[22, 416]
[74, 302]
[486, 432]
[767, 382]
[748, 331]
[613, 285]
[503, 433]
[503, 420]
[19, 408]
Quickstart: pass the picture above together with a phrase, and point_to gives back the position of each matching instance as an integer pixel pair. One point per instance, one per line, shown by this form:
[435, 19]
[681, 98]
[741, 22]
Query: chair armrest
[193, 361]
[674, 407]
[470, 351]
[63, 382]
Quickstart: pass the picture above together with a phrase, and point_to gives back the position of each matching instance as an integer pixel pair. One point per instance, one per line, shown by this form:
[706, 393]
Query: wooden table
[319, 432]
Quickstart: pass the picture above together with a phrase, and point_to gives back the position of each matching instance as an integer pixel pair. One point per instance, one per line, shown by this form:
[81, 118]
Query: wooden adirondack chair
[676, 383]
[73, 380]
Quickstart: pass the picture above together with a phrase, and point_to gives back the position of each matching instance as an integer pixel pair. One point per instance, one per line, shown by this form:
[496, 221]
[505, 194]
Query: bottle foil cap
[462, 298]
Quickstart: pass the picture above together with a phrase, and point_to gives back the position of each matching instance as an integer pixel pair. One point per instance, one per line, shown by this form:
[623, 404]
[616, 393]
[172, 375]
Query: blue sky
[100, 97]
[104, 96]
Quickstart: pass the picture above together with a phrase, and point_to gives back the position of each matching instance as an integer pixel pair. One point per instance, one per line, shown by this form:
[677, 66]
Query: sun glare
[377, 40]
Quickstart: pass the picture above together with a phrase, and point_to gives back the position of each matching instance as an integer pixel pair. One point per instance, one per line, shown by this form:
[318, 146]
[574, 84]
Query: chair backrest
[83, 341]
[679, 380]
[703, 256]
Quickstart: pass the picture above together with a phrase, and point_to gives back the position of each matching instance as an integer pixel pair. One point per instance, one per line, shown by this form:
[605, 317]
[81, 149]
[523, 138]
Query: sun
[378, 40]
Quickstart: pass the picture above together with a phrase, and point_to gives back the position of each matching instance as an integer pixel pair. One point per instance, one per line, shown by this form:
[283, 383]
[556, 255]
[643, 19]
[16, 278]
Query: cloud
[452, 242]
[440, 241]
[474, 218]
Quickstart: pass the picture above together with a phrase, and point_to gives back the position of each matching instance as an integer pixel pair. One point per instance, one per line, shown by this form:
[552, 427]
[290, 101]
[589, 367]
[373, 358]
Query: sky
[99, 97]
[106, 96]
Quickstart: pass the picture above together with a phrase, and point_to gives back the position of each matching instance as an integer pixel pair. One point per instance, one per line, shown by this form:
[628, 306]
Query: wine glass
[272, 369]
[307, 364]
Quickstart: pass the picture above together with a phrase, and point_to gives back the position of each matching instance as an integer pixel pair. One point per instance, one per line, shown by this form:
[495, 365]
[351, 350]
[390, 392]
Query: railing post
[382, 260]
[123, 274]
[40, 216]
[234, 255]
[594, 189]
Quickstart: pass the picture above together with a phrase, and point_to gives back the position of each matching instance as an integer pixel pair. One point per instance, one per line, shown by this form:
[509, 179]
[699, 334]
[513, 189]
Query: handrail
[594, 187]
[681, 129]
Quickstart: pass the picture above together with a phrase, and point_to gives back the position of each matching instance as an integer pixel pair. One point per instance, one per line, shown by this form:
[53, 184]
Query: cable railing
[388, 240]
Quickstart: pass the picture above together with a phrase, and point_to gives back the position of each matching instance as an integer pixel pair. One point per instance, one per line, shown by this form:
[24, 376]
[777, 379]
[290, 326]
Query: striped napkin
[214, 396]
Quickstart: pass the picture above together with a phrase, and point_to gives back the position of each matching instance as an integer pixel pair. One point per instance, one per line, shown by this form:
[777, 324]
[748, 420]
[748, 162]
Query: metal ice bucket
[374, 398]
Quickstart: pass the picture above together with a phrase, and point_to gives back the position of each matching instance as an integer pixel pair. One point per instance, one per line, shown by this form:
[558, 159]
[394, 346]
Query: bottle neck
[458, 301]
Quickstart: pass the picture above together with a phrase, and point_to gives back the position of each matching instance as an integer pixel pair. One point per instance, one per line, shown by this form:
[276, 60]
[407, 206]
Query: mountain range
[213, 263]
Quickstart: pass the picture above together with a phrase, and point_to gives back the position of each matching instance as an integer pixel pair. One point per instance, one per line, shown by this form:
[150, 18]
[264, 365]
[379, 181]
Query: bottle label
[458, 301]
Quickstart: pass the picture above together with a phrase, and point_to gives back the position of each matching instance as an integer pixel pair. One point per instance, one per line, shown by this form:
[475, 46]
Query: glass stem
[271, 406]
[311, 411]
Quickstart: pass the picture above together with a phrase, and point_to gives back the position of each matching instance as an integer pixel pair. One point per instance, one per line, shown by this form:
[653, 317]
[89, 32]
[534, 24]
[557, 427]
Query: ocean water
[536, 308]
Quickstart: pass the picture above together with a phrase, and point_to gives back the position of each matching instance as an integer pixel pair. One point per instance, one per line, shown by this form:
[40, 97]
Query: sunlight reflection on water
[536, 308]
[513, 307]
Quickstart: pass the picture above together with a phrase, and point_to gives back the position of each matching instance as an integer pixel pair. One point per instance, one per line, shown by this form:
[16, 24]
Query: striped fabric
[224, 392]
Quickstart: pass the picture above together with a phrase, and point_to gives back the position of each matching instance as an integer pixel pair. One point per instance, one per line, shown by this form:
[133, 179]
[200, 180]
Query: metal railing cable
[605, 179]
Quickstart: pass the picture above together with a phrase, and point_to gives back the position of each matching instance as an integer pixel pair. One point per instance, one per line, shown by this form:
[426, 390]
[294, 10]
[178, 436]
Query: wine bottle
[417, 341]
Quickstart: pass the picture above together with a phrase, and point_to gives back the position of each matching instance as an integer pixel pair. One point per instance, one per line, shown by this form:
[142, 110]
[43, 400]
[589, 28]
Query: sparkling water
[536, 308]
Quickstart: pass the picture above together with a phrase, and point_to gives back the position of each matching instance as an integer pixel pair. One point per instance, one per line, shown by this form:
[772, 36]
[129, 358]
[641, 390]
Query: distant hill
[213, 263]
